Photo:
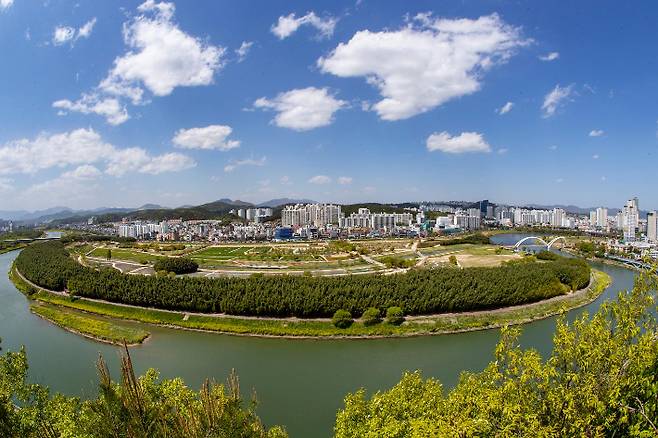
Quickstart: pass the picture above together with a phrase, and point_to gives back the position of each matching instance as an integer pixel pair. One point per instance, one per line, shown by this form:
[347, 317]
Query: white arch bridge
[548, 245]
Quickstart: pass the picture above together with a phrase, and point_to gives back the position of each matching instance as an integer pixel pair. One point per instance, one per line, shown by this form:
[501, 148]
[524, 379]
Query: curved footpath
[318, 328]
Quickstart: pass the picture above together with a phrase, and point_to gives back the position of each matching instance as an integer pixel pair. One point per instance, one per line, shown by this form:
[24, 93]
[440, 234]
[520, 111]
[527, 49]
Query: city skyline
[295, 101]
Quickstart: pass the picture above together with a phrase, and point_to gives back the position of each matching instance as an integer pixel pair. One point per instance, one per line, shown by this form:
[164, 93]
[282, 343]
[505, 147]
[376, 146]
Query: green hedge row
[423, 291]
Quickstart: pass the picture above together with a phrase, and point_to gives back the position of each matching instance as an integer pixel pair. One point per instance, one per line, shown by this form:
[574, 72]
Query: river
[300, 383]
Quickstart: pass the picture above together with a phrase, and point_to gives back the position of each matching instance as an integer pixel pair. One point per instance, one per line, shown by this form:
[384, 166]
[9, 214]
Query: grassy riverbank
[94, 327]
[323, 328]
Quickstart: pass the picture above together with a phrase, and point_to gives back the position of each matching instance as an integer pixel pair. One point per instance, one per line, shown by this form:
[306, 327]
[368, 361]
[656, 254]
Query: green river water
[300, 383]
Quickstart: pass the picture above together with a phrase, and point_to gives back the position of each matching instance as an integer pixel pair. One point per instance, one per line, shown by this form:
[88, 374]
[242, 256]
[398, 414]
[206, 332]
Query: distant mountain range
[216, 209]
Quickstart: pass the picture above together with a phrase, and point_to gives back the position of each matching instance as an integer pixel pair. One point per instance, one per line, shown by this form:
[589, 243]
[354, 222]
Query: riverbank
[95, 327]
[92, 327]
[320, 328]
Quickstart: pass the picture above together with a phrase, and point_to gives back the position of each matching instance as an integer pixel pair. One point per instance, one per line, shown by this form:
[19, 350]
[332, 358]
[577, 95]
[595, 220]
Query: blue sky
[124, 103]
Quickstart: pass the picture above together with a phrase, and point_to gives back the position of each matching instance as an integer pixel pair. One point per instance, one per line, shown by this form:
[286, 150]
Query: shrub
[342, 319]
[178, 265]
[547, 255]
[453, 260]
[394, 315]
[371, 316]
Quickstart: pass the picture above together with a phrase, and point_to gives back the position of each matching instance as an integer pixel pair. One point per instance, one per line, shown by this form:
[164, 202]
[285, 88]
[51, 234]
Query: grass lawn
[93, 326]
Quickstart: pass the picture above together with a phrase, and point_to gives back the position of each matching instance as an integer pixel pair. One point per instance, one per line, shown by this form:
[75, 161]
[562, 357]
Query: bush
[453, 260]
[394, 315]
[547, 255]
[178, 265]
[371, 316]
[397, 262]
[342, 319]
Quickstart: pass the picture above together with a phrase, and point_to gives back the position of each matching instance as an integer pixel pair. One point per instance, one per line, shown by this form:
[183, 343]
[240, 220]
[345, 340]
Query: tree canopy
[422, 291]
[601, 379]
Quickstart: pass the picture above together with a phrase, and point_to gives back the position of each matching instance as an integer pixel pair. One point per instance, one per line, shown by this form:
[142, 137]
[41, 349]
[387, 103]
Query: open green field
[89, 325]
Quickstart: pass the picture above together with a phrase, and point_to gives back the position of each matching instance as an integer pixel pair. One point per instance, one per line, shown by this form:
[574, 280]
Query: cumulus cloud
[111, 108]
[209, 137]
[6, 4]
[87, 28]
[84, 172]
[287, 25]
[302, 109]
[243, 50]
[458, 144]
[344, 180]
[82, 147]
[159, 58]
[596, 133]
[426, 63]
[65, 34]
[552, 56]
[320, 179]
[556, 98]
[505, 108]
[246, 162]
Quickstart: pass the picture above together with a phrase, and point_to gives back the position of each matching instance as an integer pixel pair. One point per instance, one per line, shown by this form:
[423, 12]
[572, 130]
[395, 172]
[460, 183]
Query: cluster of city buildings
[6, 227]
[626, 228]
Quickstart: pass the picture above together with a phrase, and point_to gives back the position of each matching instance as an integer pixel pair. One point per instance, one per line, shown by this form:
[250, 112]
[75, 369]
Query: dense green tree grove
[144, 407]
[601, 380]
[177, 265]
[422, 291]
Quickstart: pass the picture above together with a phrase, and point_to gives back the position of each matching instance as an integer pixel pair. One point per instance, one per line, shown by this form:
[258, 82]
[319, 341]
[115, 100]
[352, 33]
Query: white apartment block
[376, 221]
[318, 215]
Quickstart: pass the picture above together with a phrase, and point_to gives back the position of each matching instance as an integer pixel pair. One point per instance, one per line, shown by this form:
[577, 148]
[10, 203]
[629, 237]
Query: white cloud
[87, 28]
[170, 162]
[596, 133]
[320, 179]
[209, 137]
[83, 147]
[6, 4]
[160, 57]
[287, 25]
[505, 108]
[344, 180]
[84, 172]
[426, 63]
[552, 56]
[62, 35]
[110, 108]
[302, 109]
[285, 180]
[502, 151]
[555, 99]
[458, 144]
[65, 34]
[559, 180]
[246, 162]
[595, 156]
[553, 147]
[243, 50]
